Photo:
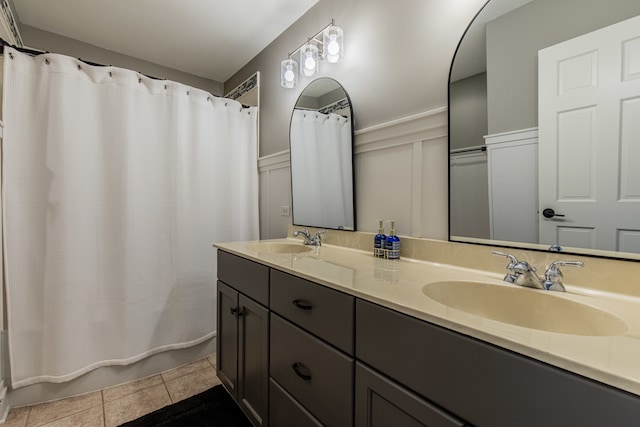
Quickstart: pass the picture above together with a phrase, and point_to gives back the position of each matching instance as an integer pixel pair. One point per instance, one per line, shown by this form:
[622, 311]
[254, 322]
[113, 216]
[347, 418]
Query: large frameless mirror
[544, 102]
[321, 147]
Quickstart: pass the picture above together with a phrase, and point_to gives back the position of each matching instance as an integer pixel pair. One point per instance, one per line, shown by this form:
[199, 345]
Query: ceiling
[207, 38]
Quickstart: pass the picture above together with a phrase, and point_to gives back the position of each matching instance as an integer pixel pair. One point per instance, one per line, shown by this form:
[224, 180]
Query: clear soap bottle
[379, 241]
[392, 246]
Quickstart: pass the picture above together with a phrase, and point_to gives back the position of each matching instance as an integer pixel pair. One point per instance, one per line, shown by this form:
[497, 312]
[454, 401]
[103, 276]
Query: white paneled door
[589, 140]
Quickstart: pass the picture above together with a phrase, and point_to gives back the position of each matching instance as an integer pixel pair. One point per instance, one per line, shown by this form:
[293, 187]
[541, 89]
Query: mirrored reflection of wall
[468, 103]
[513, 41]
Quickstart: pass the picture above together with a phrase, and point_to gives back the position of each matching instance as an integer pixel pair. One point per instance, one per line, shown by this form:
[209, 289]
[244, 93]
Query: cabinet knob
[302, 305]
[297, 367]
[236, 311]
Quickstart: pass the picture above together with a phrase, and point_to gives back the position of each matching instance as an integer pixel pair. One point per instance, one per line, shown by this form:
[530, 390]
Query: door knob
[550, 213]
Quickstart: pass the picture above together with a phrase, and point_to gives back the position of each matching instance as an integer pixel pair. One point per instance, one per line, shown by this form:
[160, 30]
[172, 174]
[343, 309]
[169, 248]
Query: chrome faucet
[523, 274]
[308, 239]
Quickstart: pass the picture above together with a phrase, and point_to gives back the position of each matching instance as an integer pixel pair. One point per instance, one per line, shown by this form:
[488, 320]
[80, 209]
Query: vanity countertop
[398, 285]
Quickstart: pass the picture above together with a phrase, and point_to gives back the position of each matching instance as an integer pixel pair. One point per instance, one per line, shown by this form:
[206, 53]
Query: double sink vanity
[330, 335]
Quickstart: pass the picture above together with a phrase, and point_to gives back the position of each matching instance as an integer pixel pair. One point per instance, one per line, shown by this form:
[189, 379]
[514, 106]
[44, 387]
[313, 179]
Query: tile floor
[116, 405]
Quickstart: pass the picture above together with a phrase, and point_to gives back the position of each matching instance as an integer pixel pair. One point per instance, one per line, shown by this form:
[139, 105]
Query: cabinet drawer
[285, 411]
[314, 373]
[324, 312]
[248, 277]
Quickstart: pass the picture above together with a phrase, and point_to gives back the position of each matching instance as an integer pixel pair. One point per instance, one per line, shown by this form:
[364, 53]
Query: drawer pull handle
[302, 305]
[296, 368]
[236, 311]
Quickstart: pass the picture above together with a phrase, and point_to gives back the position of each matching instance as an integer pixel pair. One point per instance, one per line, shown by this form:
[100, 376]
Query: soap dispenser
[392, 246]
[379, 241]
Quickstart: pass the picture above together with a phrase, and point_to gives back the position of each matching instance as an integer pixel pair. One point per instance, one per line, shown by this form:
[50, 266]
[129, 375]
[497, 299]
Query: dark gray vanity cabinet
[296, 353]
[481, 383]
[242, 356]
[311, 362]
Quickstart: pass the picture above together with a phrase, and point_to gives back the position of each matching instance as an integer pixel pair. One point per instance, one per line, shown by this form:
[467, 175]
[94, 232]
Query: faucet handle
[318, 237]
[511, 275]
[553, 275]
[512, 259]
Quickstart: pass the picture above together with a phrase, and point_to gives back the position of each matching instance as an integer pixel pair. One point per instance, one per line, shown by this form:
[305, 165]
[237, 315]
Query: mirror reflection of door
[589, 140]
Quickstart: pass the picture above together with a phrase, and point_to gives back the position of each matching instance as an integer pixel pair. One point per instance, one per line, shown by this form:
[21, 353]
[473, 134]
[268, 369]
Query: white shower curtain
[115, 188]
[320, 156]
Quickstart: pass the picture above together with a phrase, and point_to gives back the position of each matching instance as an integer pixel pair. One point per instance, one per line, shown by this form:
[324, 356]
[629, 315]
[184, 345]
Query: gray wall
[468, 106]
[397, 59]
[513, 42]
[44, 40]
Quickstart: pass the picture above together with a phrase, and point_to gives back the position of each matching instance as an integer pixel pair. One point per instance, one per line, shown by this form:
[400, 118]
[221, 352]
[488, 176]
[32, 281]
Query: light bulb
[334, 43]
[289, 75]
[309, 59]
[309, 63]
[334, 47]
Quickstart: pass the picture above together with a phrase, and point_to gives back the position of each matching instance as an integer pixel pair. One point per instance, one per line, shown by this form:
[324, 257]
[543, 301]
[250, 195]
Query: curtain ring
[79, 67]
[110, 74]
[10, 55]
[226, 103]
[139, 80]
[46, 61]
[208, 98]
[165, 87]
[187, 93]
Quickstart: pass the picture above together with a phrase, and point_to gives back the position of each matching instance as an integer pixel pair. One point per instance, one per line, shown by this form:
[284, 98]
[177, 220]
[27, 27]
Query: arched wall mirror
[544, 137]
[321, 147]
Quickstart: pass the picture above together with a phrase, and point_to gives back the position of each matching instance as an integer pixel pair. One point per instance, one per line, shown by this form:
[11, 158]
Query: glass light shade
[289, 73]
[309, 59]
[332, 40]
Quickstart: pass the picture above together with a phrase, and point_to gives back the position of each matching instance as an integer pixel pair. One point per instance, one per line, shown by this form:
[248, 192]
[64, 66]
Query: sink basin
[278, 248]
[529, 308]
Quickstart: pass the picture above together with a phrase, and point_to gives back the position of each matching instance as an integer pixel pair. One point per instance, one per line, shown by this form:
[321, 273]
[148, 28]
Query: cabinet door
[253, 360]
[286, 411]
[381, 402]
[227, 338]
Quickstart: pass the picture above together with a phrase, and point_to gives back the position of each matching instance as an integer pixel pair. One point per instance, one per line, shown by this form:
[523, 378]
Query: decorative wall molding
[276, 160]
[430, 125]
[245, 87]
[8, 24]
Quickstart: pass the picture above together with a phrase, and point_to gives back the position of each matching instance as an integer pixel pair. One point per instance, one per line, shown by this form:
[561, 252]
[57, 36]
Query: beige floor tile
[93, 417]
[17, 417]
[192, 384]
[122, 390]
[51, 411]
[187, 369]
[135, 405]
[212, 359]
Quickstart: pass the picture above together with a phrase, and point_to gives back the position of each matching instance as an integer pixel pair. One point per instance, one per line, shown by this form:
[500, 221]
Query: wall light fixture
[326, 45]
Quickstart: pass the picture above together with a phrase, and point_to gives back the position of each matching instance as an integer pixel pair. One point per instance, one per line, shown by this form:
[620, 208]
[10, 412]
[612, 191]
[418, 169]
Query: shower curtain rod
[35, 52]
[468, 150]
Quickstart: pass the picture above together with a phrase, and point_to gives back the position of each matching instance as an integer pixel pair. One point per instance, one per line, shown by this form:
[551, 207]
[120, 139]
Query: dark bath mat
[213, 407]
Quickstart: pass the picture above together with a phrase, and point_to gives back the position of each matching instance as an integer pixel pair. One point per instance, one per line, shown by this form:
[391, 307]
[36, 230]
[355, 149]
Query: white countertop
[613, 360]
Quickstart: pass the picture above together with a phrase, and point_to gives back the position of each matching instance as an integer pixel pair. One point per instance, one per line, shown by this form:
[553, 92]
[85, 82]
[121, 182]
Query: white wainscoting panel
[469, 201]
[401, 170]
[401, 174]
[275, 192]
